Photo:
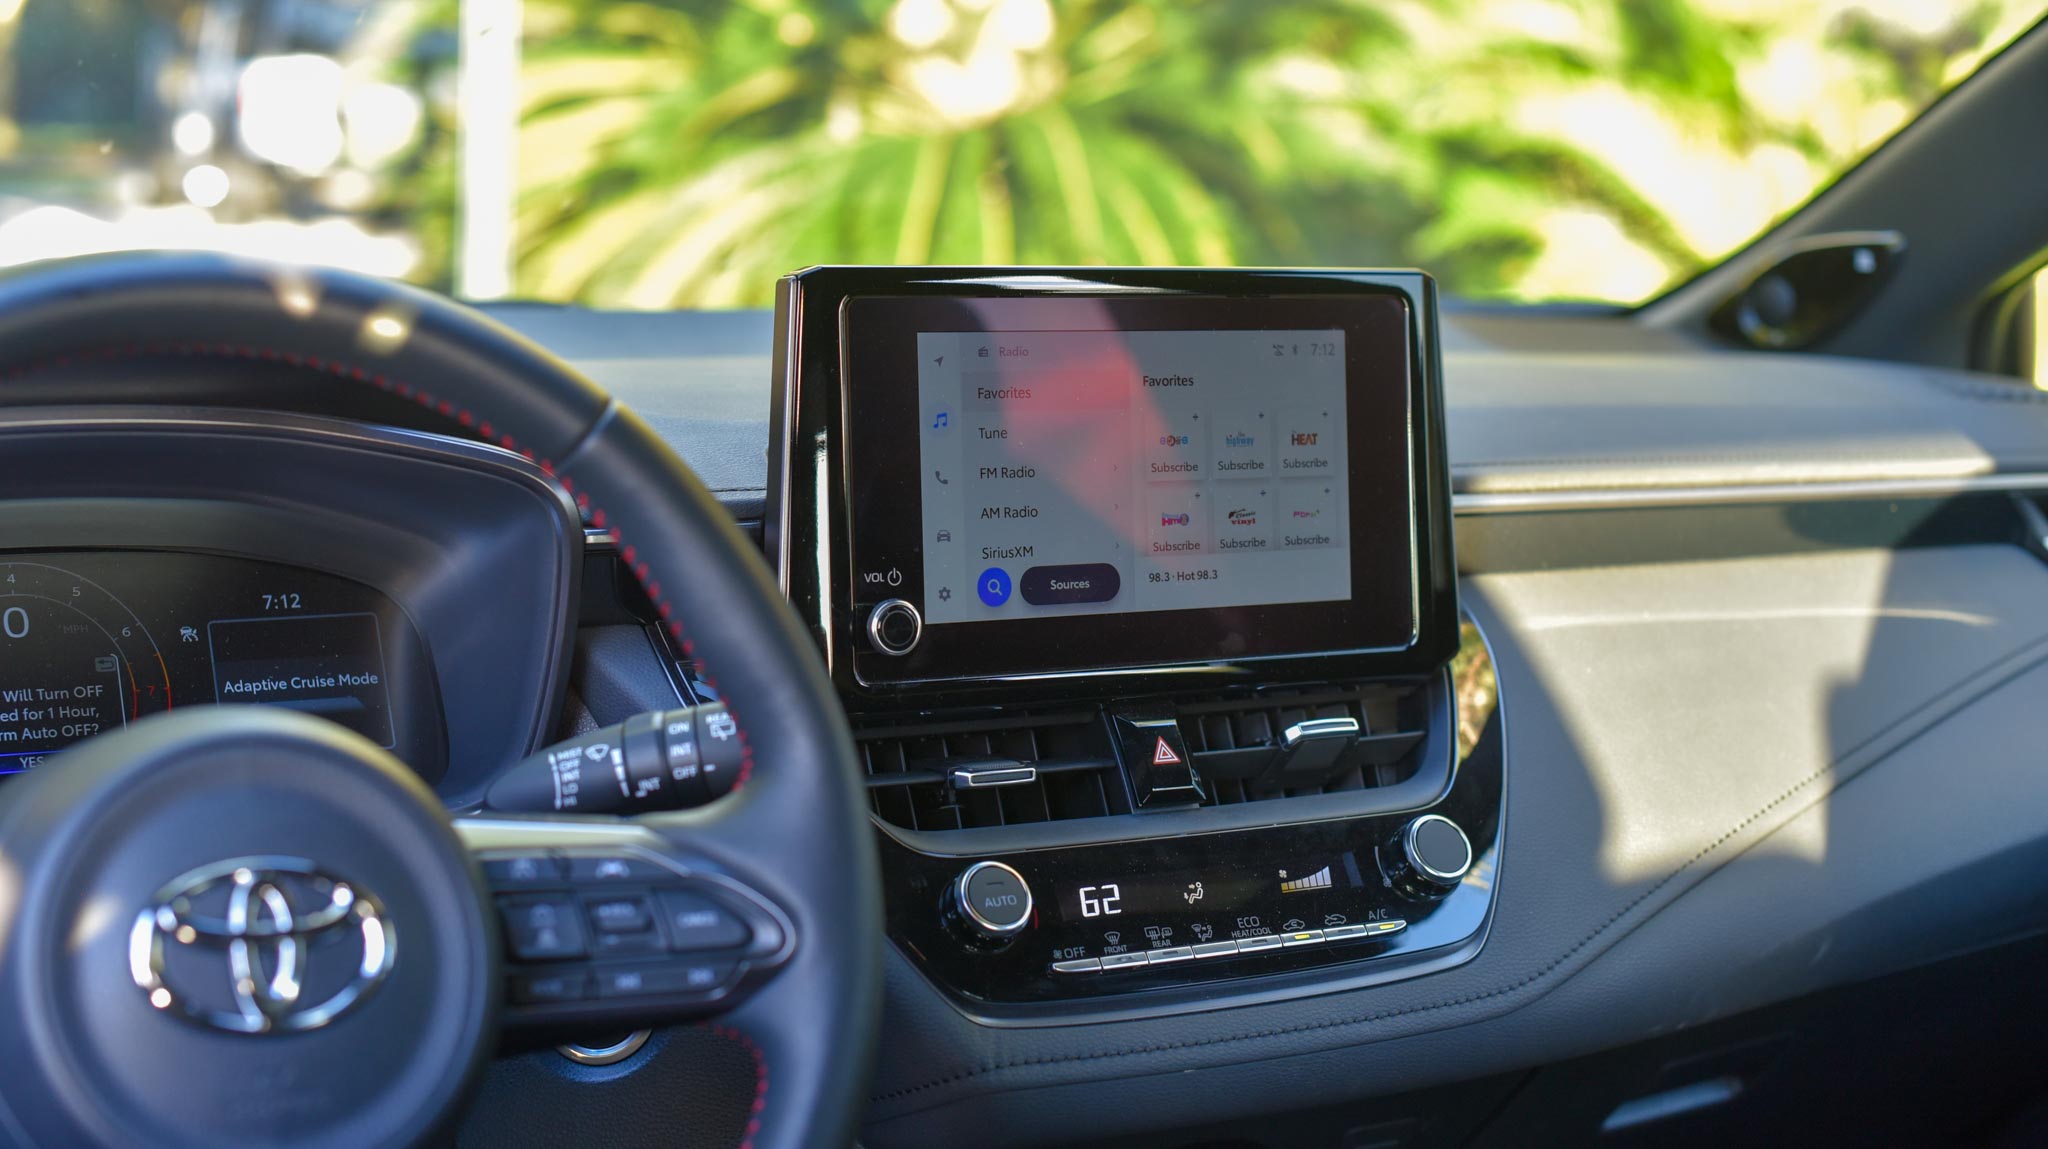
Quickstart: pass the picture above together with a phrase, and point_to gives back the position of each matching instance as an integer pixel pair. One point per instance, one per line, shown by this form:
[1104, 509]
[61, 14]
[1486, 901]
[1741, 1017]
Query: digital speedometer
[93, 640]
[74, 661]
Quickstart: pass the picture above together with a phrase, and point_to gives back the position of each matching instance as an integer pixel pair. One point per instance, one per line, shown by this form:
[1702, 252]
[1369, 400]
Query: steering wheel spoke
[613, 922]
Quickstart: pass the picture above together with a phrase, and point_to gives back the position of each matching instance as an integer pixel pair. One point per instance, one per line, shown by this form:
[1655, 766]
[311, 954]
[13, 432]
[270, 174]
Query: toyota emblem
[260, 945]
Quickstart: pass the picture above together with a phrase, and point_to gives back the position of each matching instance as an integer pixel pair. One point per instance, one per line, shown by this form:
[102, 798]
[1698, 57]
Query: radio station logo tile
[1308, 515]
[1175, 447]
[1244, 520]
[1176, 520]
[1243, 442]
[1308, 443]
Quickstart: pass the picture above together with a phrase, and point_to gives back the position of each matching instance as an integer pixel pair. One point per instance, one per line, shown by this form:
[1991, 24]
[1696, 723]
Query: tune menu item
[91, 641]
[1046, 473]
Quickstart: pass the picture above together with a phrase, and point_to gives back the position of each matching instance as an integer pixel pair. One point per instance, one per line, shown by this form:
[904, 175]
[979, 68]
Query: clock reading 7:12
[1100, 901]
[287, 601]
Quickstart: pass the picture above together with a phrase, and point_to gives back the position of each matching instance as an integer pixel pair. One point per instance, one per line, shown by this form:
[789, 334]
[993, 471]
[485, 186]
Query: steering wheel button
[523, 870]
[626, 913]
[542, 929]
[695, 922]
[596, 871]
[547, 988]
[621, 945]
[662, 978]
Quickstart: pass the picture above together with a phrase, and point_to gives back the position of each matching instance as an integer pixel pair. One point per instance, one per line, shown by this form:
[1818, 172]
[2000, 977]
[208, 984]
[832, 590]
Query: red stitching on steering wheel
[477, 428]
[760, 1105]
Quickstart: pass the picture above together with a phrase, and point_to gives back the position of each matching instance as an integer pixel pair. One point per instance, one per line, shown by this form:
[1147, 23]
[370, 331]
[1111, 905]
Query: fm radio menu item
[1087, 472]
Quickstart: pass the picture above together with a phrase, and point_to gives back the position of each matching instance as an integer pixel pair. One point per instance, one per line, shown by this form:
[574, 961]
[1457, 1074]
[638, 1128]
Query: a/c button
[1075, 582]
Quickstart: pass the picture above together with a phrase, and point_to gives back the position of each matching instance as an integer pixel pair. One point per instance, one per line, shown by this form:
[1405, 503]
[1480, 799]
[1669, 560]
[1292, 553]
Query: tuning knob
[989, 903]
[1428, 858]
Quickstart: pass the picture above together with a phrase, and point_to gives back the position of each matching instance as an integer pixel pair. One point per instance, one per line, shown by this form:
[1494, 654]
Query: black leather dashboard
[1734, 779]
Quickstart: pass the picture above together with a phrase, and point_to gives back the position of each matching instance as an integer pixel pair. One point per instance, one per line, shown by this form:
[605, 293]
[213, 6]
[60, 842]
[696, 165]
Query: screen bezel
[1385, 390]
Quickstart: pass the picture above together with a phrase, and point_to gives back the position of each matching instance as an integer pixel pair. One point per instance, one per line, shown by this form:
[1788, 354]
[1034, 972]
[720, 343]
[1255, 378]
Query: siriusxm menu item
[1089, 472]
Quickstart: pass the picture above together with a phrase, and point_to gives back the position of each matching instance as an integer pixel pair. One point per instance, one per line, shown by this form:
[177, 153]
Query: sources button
[1077, 582]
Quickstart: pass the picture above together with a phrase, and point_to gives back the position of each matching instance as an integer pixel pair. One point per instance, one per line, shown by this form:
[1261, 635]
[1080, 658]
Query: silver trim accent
[1258, 944]
[1414, 858]
[1301, 938]
[1319, 728]
[969, 778]
[993, 929]
[1078, 965]
[1342, 933]
[263, 940]
[1216, 949]
[606, 1055]
[875, 627]
[1124, 960]
[1167, 955]
[1929, 487]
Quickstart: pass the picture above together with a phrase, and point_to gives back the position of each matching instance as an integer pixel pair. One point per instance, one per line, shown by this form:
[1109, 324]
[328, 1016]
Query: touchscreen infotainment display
[1094, 472]
[1012, 474]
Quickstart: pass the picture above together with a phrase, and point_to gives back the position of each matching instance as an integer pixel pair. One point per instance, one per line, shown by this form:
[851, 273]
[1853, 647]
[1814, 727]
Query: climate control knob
[989, 903]
[1428, 858]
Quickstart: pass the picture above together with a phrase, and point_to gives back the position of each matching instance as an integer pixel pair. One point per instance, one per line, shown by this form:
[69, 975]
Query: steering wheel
[218, 824]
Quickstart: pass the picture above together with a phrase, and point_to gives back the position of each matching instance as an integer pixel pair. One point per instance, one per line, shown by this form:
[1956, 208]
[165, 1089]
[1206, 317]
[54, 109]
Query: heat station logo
[1179, 520]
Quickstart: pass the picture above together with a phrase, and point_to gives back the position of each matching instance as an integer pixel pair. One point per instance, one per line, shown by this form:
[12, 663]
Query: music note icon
[939, 423]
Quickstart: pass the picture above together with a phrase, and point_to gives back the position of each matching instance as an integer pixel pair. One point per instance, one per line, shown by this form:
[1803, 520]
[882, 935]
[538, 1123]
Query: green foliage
[688, 152]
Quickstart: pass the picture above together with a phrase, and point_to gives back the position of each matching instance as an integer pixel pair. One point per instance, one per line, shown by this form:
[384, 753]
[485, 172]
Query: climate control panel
[1031, 930]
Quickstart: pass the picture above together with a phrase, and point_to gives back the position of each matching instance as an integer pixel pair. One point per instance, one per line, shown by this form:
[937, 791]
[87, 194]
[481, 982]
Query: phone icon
[941, 477]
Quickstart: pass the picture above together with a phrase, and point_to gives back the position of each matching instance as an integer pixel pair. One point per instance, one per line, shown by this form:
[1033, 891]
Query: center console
[1138, 588]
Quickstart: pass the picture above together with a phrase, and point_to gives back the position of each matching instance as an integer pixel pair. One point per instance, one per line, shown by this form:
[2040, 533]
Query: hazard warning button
[1156, 760]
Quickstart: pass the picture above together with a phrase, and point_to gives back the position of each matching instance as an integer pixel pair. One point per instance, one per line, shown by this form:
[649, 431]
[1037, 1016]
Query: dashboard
[1640, 689]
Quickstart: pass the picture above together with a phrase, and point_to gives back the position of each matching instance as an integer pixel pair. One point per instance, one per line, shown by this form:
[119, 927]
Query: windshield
[685, 153]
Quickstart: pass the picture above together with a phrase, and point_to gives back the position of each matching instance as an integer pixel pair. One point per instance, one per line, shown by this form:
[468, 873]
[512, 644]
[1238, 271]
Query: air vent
[1040, 766]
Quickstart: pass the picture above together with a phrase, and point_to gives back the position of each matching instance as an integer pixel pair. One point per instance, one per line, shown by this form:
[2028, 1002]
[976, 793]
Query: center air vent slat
[1235, 740]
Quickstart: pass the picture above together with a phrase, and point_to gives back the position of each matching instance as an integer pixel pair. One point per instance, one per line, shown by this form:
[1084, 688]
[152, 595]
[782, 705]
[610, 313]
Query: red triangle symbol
[1163, 754]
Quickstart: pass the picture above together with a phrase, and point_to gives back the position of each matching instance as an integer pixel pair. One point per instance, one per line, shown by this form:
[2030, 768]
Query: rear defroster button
[1077, 582]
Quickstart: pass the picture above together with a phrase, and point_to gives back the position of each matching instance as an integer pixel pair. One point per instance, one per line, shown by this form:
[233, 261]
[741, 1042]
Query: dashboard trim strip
[1613, 498]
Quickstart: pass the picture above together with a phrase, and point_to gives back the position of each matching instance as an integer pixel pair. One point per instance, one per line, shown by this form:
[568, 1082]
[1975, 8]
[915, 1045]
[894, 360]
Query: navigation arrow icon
[941, 361]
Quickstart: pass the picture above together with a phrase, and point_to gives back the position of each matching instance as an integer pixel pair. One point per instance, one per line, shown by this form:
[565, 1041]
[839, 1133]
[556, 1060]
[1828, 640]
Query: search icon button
[994, 586]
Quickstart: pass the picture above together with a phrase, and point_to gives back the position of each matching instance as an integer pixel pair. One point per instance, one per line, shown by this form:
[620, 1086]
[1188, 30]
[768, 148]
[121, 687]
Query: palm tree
[687, 152]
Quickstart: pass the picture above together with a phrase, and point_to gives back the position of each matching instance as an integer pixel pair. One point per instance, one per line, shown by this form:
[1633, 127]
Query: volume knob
[990, 902]
[1428, 858]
